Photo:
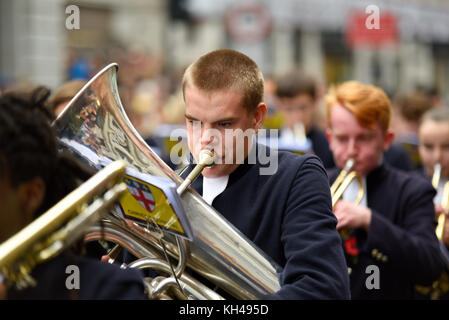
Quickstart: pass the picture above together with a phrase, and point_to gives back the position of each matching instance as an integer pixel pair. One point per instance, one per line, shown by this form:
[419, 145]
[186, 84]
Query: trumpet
[341, 184]
[444, 202]
[62, 225]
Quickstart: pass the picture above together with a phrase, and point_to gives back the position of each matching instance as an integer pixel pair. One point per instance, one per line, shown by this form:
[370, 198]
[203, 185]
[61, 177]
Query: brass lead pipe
[342, 175]
[206, 158]
[342, 182]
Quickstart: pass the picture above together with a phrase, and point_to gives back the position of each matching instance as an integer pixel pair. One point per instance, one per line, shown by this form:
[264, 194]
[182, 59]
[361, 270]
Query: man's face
[18, 204]
[211, 115]
[297, 109]
[434, 146]
[10, 214]
[348, 139]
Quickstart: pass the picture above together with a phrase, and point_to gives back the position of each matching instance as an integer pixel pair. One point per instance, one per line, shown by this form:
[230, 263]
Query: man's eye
[364, 138]
[224, 124]
[193, 122]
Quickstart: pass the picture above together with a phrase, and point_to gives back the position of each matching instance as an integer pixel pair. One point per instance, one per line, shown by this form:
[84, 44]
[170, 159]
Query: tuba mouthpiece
[206, 158]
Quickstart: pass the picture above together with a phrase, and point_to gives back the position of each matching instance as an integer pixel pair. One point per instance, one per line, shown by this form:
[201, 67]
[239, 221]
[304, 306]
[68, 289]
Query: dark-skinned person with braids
[34, 176]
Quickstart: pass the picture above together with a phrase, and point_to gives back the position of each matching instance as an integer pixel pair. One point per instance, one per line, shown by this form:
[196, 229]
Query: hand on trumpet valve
[351, 216]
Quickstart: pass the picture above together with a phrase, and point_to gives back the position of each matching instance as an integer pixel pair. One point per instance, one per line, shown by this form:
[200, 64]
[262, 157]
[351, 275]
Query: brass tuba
[94, 126]
[62, 225]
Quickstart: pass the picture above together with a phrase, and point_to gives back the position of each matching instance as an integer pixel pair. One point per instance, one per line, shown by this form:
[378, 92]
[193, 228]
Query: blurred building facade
[320, 36]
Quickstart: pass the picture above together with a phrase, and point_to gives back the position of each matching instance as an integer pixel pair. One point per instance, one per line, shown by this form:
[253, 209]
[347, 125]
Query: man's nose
[437, 155]
[352, 148]
[207, 138]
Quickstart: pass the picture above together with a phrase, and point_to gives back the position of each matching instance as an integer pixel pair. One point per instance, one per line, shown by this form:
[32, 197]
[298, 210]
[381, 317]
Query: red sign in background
[357, 34]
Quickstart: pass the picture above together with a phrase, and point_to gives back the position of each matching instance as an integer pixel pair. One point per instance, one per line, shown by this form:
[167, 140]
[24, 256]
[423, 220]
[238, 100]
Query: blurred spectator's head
[412, 107]
[64, 94]
[408, 111]
[296, 93]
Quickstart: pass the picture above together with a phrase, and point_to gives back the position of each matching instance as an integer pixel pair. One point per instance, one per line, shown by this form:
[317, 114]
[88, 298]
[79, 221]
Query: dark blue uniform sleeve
[315, 264]
[410, 244]
[103, 281]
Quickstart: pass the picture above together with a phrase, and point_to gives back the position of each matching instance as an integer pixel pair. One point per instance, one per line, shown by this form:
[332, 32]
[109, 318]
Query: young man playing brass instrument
[434, 153]
[391, 245]
[285, 212]
[34, 176]
[433, 134]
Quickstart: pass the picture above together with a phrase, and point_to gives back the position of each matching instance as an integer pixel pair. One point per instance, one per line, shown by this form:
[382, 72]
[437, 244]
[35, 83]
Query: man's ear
[328, 135]
[329, 138]
[388, 139]
[259, 115]
[31, 196]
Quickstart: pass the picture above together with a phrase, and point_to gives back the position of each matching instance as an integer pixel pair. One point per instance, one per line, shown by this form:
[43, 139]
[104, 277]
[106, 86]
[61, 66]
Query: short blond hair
[369, 104]
[227, 69]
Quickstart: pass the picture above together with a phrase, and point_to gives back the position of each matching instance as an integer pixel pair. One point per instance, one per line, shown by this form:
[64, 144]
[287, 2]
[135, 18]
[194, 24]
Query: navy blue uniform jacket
[401, 239]
[98, 281]
[288, 215]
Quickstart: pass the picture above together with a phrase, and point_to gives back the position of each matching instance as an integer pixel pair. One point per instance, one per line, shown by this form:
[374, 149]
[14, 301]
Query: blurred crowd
[150, 91]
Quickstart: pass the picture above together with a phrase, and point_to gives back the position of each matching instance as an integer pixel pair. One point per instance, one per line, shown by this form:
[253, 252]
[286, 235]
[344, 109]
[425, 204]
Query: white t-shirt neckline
[212, 187]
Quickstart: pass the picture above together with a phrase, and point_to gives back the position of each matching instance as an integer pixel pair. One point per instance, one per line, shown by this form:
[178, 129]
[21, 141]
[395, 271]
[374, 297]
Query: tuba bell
[94, 126]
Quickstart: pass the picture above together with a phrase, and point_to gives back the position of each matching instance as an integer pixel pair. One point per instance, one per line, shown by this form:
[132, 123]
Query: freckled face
[348, 139]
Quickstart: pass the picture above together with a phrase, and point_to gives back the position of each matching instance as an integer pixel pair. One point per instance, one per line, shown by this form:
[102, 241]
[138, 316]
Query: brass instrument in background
[62, 225]
[444, 200]
[94, 125]
[341, 184]
[440, 286]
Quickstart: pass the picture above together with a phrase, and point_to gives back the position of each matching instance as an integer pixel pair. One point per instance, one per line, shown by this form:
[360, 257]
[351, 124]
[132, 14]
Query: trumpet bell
[94, 126]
